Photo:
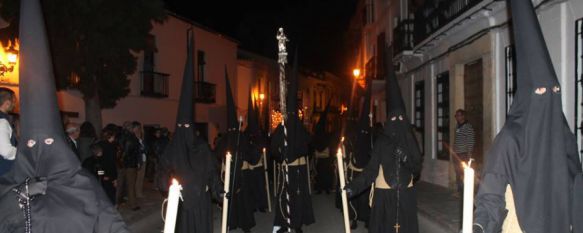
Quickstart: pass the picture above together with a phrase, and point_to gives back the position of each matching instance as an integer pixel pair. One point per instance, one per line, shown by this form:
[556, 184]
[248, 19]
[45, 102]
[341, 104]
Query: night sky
[318, 27]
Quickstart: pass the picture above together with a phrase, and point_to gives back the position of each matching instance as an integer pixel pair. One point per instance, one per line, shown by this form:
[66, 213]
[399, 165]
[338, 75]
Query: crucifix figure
[397, 226]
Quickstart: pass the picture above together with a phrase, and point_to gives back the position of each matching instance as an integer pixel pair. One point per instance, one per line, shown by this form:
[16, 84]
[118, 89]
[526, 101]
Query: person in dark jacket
[133, 151]
[102, 166]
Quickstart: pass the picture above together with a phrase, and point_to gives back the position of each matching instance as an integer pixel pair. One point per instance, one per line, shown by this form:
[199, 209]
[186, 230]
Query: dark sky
[318, 27]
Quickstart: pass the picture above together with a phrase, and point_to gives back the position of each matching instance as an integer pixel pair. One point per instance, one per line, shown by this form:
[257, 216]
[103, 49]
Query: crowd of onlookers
[121, 157]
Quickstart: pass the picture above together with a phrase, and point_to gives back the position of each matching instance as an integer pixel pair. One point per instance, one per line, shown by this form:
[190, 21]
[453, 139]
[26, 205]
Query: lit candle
[468, 209]
[342, 184]
[226, 188]
[172, 207]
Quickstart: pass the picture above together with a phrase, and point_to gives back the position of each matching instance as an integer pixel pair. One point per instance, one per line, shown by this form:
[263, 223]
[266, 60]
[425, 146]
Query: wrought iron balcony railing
[403, 39]
[428, 19]
[154, 84]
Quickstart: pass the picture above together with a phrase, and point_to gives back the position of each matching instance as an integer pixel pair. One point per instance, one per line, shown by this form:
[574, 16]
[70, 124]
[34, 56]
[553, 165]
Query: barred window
[420, 109]
[579, 83]
[510, 66]
[442, 99]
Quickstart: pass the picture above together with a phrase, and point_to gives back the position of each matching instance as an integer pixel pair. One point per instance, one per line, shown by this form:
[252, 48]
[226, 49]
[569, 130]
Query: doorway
[473, 104]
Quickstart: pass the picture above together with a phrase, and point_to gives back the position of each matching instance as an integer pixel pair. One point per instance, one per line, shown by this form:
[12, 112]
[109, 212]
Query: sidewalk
[440, 205]
[150, 205]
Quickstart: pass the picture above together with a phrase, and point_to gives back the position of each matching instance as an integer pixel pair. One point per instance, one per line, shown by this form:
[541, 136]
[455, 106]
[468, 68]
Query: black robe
[383, 213]
[257, 175]
[359, 204]
[195, 168]
[104, 169]
[535, 153]
[325, 166]
[300, 202]
[241, 204]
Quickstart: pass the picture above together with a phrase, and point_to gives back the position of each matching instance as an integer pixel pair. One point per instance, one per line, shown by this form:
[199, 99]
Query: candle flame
[263, 149]
[467, 165]
[174, 181]
[342, 139]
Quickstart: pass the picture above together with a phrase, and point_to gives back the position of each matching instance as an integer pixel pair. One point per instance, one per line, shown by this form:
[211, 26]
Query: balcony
[205, 92]
[403, 36]
[154, 84]
[428, 20]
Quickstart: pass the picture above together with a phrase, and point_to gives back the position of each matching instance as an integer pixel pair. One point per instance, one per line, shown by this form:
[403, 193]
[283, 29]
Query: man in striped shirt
[463, 145]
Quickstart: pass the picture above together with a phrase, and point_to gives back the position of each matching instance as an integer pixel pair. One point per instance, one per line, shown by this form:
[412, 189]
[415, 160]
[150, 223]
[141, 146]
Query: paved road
[328, 220]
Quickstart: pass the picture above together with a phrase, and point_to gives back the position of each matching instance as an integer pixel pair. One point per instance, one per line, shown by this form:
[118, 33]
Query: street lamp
[12, 58]
[356, 73]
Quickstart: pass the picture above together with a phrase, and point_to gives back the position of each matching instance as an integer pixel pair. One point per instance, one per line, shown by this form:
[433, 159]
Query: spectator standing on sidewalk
[463, 145]
[73, 132]
[124, 134]
[87, 137]
[132, 162]
[7, 132]
[102, 167]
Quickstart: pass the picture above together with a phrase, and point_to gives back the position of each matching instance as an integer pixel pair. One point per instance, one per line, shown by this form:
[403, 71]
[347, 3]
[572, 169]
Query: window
[201, 62]
[579, 83]
[370, 16]
[149, 54]
[420, 108]
[510, 66]
[442, 99]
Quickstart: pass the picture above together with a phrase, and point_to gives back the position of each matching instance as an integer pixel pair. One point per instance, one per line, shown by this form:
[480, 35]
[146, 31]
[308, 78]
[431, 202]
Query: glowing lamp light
[356, 73]
[12, 57]
[261, 96]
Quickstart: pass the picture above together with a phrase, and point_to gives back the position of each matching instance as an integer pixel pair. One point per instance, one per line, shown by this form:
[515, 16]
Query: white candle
[172, 207]
[468, 209]
[344, 197]
[226, 188]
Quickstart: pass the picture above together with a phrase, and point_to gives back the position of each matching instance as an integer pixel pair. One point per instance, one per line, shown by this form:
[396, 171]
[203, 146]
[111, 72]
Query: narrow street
[328, 219]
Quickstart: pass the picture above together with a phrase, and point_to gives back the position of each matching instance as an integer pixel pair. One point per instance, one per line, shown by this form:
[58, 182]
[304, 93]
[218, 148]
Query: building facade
[459, 55]
[155, 86]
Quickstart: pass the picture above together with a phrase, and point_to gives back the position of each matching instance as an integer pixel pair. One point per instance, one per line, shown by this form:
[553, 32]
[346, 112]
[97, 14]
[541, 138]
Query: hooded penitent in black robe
[296, 150]
[323, 147]
[64, 197]
[241, 204]
[188, 159]
[362, 147]
[397, 153]
[255, 148]
[535, 155]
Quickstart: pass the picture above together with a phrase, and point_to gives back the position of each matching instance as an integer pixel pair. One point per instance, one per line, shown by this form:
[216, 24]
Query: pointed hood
[41, 124]
[292, 93]
[322, 139]
[364, 119]
[535, 152]
[178, 154]
[65, 191]
[186, 103]
[320, 127]
[252, 117]
[232, 122]
[394, 99]
[363, 136]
